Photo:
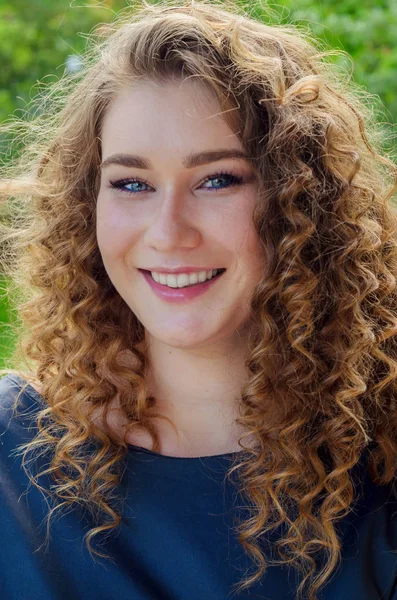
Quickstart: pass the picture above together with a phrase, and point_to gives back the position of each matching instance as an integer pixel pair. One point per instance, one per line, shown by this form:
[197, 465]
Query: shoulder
[371, 496]
[13, 386]
[19, 405]
[371, 525]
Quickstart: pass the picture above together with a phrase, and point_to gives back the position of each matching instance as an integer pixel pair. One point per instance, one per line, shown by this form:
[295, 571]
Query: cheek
[242, 234]
[249, 252]
[114, 230]
[236, 223]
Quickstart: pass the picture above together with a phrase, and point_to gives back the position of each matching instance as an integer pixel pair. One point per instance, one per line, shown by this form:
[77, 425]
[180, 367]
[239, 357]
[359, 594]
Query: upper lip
[180, 269]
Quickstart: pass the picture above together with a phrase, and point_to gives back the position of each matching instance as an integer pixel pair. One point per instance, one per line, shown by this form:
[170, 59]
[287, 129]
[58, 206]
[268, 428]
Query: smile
[184, 279]
[185, 293]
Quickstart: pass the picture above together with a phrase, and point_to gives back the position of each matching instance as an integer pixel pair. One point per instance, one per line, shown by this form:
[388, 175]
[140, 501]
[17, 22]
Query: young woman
[203, 250]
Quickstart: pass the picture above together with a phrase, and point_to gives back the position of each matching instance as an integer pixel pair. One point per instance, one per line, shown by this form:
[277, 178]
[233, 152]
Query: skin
[196, 349]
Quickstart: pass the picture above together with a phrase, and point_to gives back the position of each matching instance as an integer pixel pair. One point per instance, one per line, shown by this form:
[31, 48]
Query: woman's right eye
[122, 184]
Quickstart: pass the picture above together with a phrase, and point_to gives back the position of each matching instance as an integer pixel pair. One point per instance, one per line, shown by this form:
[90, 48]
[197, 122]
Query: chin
[187, 340]
[181, 342]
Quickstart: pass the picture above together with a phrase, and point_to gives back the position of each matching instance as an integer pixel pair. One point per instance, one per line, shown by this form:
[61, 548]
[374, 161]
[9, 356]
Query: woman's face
[163, 211]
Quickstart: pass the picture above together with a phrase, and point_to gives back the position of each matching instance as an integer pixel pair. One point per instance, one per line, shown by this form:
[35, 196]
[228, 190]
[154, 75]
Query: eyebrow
[190, 161]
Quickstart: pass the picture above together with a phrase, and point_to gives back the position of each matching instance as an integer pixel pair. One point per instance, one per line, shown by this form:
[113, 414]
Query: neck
[199, 390]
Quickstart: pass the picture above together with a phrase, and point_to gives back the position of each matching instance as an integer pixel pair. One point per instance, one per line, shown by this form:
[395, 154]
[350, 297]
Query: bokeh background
[41, 39]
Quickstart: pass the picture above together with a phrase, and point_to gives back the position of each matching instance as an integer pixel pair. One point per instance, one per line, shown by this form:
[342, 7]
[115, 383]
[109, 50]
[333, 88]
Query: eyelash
[235, 181]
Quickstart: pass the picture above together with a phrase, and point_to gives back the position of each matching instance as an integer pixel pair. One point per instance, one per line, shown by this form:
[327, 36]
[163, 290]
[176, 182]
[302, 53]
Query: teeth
[183, 279]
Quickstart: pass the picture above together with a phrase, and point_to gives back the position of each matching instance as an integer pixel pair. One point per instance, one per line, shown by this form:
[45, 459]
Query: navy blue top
[176, 539]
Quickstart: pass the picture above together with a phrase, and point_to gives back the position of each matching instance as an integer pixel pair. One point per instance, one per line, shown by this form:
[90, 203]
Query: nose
[170, 225]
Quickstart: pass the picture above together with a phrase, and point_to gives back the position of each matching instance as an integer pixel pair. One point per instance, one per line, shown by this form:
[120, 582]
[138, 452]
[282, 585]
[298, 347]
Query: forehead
[172, 114]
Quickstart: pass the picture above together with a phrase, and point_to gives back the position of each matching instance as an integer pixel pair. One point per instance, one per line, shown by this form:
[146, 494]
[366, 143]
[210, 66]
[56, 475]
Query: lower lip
[179, 294]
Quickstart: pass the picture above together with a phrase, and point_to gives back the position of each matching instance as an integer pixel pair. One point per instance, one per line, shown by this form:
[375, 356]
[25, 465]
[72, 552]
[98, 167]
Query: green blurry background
[40, 39]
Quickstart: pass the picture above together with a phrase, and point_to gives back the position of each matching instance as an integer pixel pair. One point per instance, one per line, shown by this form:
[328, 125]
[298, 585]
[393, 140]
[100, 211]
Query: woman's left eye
[234, 179]
[127, 185]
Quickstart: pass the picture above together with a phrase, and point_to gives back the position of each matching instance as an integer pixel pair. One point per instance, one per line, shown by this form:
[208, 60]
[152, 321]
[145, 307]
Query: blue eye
[234, 179]
[123, 184]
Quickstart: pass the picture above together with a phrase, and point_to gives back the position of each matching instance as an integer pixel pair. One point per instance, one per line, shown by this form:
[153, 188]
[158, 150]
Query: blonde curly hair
[322, 354]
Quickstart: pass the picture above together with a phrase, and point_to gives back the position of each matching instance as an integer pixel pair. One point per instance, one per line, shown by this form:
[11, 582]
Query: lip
[184, 294]
[176, 270]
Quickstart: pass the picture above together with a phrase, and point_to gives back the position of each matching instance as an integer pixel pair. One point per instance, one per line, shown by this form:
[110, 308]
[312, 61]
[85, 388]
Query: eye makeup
[234, 180]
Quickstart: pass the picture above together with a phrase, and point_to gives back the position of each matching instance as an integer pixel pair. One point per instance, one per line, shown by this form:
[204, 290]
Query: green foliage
[7, 336]
[365, 29]
[37, 36]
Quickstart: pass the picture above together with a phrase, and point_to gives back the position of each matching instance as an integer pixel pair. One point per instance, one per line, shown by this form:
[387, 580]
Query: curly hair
[322, 354]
